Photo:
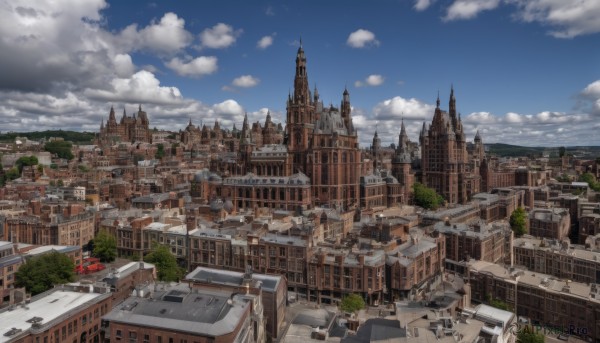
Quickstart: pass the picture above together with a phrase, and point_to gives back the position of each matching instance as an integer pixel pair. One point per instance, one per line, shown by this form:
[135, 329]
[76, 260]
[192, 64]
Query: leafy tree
[426, 197]
[12, 173]
[518, 222]
[165, 262]
[160, 151]
[105, 246]
[352, 303]
[591, 180]
[561, 151]
[26, 161]
[528, 335]
[40, 273]
[60, 183]
[62, 149]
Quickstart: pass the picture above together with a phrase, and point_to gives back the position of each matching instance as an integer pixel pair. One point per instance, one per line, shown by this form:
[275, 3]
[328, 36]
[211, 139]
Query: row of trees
[40, 273]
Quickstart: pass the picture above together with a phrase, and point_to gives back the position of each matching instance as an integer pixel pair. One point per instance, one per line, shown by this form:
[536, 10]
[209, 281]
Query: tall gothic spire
[301, 90]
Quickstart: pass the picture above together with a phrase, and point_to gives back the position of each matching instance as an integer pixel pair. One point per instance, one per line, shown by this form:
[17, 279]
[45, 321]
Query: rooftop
[176, 308]
[46, 308]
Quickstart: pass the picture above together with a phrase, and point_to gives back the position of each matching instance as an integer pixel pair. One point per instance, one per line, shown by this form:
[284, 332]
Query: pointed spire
[438, 100]
[190, 124]
[140, 108]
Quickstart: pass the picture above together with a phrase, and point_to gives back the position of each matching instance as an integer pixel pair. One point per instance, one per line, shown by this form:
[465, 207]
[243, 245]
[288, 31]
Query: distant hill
[73, 136]
[508, 150]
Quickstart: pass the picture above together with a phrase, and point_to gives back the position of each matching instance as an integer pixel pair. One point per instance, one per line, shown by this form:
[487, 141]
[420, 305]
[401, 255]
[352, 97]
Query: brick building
[549, 223]
[66, 313]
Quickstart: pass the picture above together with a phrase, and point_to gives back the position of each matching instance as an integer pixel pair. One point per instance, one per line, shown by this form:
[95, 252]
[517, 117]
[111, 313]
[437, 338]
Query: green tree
[561, 151]
[160, 151]
[62, 149]
[40, 273]
[12, 173]
[528, 335]
[591, 180]
[105, 246]
[352, 303]
[26, 161]
[518, 222]
[426, 197]
[165, 262]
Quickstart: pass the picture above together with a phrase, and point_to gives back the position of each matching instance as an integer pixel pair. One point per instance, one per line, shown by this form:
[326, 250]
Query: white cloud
[246, 81]
[362, 38]
[270, 11]
[422, 5]
[592, 90]
[467, 9]
[265, 42]
[228, 107]
[165, 36]
[399, 107]
[373, 80]
[198, 67]
[142, 87]
[480, 117]
[570, 18]
[123, 65]
[219, 36]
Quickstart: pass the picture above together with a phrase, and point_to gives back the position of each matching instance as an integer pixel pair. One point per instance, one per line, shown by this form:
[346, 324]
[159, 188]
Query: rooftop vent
[12, 332]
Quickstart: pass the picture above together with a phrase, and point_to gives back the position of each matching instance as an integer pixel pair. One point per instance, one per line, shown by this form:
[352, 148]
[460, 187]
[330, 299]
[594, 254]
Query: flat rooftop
[231, 278]
[177, 308]
[47, 307]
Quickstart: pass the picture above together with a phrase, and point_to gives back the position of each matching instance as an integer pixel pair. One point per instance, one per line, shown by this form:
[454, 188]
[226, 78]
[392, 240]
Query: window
[118, 334]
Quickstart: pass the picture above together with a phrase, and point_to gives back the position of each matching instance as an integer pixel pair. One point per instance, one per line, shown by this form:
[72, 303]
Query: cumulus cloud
[569, 18]
[373, 80]
[246, 81]
[591, 97]
[467, 9]
[362, 38]
[168, 35]
[265, 42]
[219, 36]
[142, 87]
[422, 5]
[399, 107]
[123, 64]
[197, 67]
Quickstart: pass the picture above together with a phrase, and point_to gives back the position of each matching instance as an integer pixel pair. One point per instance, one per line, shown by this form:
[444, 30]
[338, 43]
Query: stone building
[411, 265]
[65, 313]
[268, 291]
[176, 313]
[556, 258]
[556, 305]
[480, 241]
[445, 164]
[549, 223]
[128, 129]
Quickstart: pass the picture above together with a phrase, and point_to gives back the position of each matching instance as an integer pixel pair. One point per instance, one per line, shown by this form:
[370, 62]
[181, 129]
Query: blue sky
[524, 71]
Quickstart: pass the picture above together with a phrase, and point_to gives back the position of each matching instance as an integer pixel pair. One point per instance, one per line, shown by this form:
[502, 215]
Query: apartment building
[557, 258]
[66, 313]
[271, 290]
[549, 223]
[176, 313]
[412, 264]
[557, 304]
[479, 240]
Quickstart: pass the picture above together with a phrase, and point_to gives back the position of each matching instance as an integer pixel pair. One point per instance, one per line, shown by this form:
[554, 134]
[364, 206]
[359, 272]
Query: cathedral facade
[445, 162]
[319, 146]
[128, 129]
